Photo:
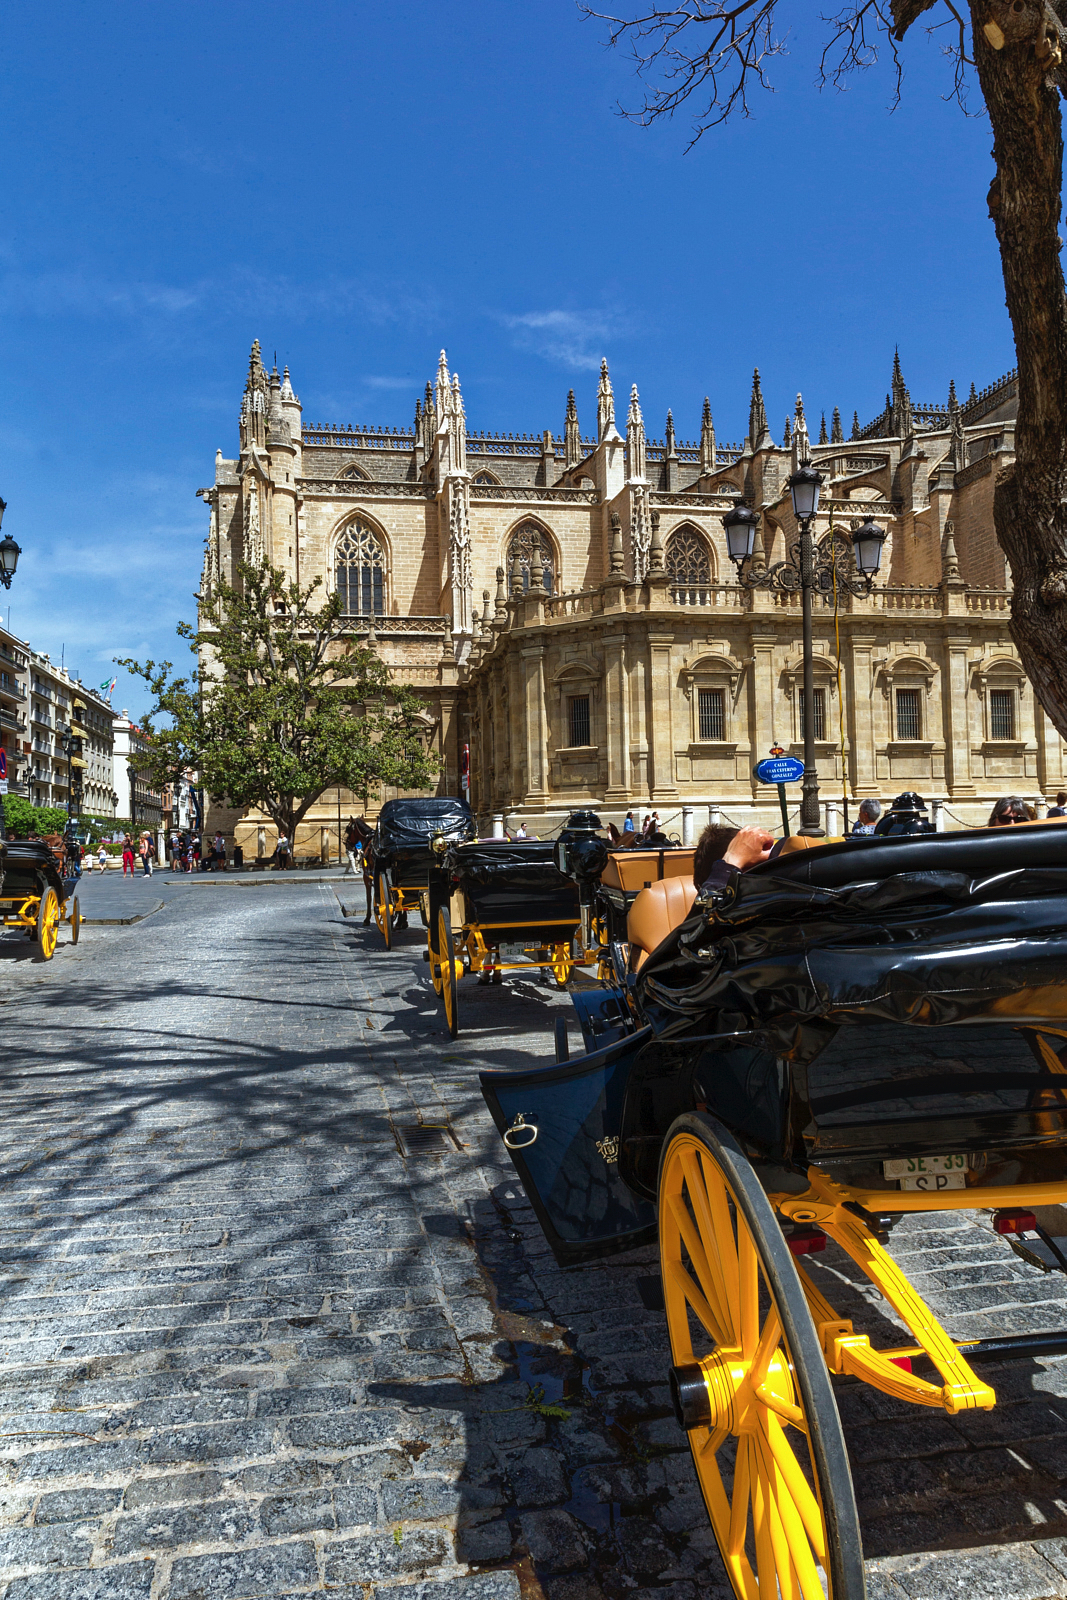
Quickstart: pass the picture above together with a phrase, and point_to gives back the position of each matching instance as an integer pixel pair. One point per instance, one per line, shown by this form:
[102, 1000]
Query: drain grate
[424, 1139]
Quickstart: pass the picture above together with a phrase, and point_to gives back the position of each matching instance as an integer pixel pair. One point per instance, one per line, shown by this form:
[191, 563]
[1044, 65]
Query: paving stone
[554, 1540]
[373, 1557]
[75, 1505]
[482, 1586]
[1011, 1572]
[537, 1479]
[484, 1541]
[298, 1513]
[130, 1581]
[167, 1527]
[171, 1490]
[234, 1576]
[44, 1547]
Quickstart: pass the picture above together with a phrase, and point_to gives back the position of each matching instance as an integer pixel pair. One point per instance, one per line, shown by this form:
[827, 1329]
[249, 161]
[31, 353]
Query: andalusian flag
[107, 689]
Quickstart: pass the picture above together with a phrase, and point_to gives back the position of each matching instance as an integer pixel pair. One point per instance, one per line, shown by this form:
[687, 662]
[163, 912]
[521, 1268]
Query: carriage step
[651, 1291]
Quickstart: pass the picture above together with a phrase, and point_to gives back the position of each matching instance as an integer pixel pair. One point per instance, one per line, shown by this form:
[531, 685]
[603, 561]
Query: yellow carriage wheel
[75, 920]
[447, 969]
[48, 918]
[749, 1380]
[561, 963]
[383, 909]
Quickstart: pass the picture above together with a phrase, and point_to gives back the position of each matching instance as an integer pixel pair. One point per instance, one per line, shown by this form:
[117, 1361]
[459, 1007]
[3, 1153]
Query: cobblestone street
[256, 1341]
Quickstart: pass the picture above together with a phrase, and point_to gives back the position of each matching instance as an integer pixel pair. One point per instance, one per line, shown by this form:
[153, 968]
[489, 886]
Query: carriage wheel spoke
[710, 1283]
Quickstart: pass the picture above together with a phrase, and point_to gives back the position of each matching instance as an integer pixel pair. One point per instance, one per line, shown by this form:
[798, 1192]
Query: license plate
[935, 1181]
[920, 1166]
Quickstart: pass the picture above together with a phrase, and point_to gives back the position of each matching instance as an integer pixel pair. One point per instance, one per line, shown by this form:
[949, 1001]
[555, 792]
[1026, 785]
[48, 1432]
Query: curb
[206, 880]
[121, 922]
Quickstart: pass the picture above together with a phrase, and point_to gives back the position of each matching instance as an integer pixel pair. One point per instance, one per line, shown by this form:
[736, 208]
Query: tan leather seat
[657, 910]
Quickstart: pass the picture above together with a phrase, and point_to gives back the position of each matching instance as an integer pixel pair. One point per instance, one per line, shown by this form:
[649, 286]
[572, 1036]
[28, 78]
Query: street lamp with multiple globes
[9, 553]
[807, 569]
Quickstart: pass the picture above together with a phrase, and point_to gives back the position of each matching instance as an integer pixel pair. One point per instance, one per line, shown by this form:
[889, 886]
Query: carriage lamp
[804, 488]
[867, 542]
[740, 525]
[438, 844]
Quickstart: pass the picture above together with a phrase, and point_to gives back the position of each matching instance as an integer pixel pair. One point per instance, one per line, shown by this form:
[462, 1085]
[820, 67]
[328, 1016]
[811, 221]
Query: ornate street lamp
[9, 553]
[807, 569]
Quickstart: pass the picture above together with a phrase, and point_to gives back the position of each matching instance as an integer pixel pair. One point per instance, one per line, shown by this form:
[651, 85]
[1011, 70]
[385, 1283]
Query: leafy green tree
[22, 818]
[282, 705]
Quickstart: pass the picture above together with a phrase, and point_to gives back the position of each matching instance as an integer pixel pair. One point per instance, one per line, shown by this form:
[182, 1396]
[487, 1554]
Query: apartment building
[51, 695]
[14, 734]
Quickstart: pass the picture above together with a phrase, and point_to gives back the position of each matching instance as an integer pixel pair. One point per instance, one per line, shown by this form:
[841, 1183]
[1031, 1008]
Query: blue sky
[357, 185]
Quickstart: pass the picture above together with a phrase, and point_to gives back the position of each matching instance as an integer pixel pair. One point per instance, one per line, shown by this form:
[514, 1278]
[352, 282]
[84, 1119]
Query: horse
[364, 836]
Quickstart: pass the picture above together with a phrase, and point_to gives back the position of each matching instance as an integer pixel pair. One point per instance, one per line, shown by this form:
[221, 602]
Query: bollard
[687, 825]
[498, 824]
[1041, 807]
[715, 815]
[831, 819]
[261, 843]
[938, 809]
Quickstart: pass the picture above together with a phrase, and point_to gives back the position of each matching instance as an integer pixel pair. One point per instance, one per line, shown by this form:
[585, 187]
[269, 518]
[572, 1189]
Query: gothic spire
[635, 436]
[442, 392]
[822, 430]
[836, 434]
[605, 403]
[787, 438]
[957, 448]
[855, 424]
[952, 401]
[572, 439]
[668, 442]
[255, 401]
[757, 415]
[707, 440]
[287, 387]
[801, 441]
[973, 394]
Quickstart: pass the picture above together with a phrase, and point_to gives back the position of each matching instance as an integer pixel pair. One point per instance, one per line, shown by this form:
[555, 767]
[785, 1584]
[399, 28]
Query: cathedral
[566, 605]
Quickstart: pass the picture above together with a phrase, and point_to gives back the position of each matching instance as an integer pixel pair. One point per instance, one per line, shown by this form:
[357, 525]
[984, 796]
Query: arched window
[360, 567]
[353, 472]
[521, 545]
[688, 566]
[485, 478]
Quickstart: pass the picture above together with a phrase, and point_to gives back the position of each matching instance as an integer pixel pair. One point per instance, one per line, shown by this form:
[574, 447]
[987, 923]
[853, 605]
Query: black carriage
[401, 855]
[842, 1036]
[492, 901]
[35, 894]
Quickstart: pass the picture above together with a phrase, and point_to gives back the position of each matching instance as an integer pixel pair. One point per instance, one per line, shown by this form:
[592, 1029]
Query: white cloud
[571, 338]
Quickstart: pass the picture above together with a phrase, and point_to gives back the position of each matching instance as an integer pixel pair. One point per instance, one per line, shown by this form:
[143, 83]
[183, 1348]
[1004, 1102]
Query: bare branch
[740, 40]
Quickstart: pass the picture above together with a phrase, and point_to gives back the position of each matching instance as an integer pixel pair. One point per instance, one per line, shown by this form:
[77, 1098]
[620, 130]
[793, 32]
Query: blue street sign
[779, 769]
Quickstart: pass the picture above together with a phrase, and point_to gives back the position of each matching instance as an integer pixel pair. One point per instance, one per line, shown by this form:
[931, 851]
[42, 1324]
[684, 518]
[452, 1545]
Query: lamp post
[9, 553]
[807, 569]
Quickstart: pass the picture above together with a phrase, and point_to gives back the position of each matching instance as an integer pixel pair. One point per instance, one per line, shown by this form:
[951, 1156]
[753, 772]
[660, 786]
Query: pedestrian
[655, 828]
[175, 852]
[101, 856]
[281, 853]
[147, 851]
[1060, 808]
[628, 825]
[646, 826]
[1008, 810]
[520, 831]
[127, 855]
[353, 849]
[870, 811]
[195, 853]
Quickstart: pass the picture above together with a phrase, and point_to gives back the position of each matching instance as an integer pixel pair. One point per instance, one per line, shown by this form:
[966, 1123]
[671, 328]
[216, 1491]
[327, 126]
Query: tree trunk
[1017, 63]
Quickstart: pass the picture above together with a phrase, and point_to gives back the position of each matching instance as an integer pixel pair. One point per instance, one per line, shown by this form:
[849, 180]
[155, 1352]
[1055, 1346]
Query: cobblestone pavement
[249, 1348]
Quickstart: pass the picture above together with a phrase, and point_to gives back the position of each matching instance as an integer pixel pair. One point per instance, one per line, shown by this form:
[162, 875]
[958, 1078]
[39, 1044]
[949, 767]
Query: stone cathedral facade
[565, 604]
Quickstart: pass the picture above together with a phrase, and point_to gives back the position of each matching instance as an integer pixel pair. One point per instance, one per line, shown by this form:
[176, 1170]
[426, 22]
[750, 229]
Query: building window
[688, 566]
[909, 714]
[485, 478]
[521, 545]
[1002, 714]
[819, 707]
[579, 719]
[711, 709]
[360, 565]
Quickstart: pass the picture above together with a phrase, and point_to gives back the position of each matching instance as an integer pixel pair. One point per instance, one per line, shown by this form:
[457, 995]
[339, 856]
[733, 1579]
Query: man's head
[870, 810]
[711, 847]
[1061, 799]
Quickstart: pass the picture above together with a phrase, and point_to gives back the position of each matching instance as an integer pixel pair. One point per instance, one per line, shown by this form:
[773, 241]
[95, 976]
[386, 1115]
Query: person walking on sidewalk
[127, 854]
[101, 856]
[148, 850]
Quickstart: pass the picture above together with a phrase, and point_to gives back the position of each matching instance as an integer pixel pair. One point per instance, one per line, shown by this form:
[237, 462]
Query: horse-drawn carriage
[838, 1037]
[401, 856]
[35, 893]
[495, 899]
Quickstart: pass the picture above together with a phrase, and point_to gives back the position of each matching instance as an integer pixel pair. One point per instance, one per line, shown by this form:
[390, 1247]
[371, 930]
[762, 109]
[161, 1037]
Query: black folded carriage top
[515, 882]
[30, 867]
[411, 824]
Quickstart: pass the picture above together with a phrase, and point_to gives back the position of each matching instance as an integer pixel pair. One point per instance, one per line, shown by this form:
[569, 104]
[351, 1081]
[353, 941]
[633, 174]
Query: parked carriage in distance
[841, 1036]
[401, 855]
[494, 900]
[35, 894]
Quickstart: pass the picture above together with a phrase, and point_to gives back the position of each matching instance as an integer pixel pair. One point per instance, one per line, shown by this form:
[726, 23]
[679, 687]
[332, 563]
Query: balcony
[11, 687]
[41, 716]
[8, 719]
